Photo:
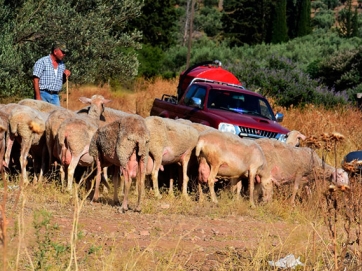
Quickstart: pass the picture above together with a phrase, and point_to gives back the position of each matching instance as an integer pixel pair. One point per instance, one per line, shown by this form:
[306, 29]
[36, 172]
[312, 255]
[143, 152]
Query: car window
[239, 103]
[197, 92]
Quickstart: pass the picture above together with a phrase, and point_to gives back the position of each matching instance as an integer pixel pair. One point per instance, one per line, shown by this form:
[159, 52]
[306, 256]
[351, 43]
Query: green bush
[323, 19]
[209, 21]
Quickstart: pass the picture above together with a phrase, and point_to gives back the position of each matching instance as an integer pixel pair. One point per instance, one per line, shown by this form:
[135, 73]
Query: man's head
[59, 49]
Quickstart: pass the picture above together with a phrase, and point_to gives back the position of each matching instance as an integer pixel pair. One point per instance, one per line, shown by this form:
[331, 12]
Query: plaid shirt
[44, 70]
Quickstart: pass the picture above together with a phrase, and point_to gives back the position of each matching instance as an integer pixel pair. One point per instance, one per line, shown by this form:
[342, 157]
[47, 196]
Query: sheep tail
[36, 127]
[199, 147]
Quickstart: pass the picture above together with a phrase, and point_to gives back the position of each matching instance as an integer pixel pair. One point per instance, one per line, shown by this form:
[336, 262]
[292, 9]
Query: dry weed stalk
[78, 205]
[21, 232]
[3, 221]
[342, 205]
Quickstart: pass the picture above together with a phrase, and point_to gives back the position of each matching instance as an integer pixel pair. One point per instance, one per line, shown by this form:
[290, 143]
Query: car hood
[247, 120]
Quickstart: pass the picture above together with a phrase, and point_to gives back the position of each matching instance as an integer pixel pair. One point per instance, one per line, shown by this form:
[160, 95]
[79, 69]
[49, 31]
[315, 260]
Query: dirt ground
[200, 240]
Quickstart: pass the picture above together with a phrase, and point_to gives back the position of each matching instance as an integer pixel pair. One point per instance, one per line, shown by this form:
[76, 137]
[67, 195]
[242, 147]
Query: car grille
[255, 133]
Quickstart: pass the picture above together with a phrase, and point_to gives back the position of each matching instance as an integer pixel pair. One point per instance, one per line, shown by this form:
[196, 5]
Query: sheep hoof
[186, 197]
[158, 196]
[124, 209]
[138, 209]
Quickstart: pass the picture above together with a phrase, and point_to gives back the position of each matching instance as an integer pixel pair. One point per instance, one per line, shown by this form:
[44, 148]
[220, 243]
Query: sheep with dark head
[123, 143]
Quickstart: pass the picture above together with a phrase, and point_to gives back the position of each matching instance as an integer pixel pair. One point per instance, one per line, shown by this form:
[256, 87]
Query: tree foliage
[246, 21]
[280, 31]
[93, 31]
[158, 22]
[304, 18]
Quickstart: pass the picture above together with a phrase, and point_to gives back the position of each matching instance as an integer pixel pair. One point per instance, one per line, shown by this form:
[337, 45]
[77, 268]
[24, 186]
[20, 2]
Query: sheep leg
[295, 190]
[62, 174]
[170, 190]
[211, 182]
[2, 153]
[9, 146]
[141, 183]
[185, 177]
[236, 185]
[251, 187]
[115, 179]
[50, 147]
[154, 174]
[98, 180]
[70, 172]
[127, 186]
[72, 165]
[129, 172]
[25, 148]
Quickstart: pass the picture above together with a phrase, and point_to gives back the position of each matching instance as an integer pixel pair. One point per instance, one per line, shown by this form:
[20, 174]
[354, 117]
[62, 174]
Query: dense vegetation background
[298, 52]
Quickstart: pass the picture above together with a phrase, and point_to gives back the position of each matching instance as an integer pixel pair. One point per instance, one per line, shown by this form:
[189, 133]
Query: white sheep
[27, 126]
[52, 124]
[287, 163]
[123, 143]
[170, 142]
[230, 157]
[74, 135]
[294, 137]
[4, 123]
[40, 105]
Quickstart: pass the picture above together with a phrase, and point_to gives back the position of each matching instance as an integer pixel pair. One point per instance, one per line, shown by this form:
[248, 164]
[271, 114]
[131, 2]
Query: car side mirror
[195, 102]
[279, 117]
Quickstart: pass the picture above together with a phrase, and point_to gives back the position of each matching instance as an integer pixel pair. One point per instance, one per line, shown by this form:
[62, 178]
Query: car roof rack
[215, 82]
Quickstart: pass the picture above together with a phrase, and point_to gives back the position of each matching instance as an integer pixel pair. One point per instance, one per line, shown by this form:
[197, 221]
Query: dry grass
[323, 230]
[137, 101]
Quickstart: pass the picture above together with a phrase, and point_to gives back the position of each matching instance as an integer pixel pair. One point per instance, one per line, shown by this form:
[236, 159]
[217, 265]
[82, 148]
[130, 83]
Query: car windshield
[242, 103]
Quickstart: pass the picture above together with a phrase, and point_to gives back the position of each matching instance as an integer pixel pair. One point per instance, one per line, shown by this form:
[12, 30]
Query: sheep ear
[301, 136]
[106, 101]
[85, 100]
[123, 148]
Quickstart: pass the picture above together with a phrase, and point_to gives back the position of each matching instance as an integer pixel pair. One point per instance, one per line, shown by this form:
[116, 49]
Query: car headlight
[282, 137]
[227, 127]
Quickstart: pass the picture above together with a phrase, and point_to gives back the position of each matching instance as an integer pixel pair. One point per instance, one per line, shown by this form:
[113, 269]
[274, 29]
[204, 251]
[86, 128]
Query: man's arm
[66, 74]
[36, 88]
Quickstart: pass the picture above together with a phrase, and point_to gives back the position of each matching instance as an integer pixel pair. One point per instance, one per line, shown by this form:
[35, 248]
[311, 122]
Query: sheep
[4, 123]
[231, 157]
[74, 136]
[125, 144]
[27, 125]
[170, 142]
[108, 116]
[294, 137]
[52, 124]
[287, 163]
[40, 105]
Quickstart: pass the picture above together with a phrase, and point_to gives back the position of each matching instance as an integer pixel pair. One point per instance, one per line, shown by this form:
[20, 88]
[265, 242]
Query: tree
[246, 21]
[157, 23]
[280, 31]
[98, 52]
[304, 18]
[348, 21]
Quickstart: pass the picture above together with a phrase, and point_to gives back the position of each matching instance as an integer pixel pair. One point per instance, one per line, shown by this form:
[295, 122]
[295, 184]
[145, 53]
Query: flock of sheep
[135, 147]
